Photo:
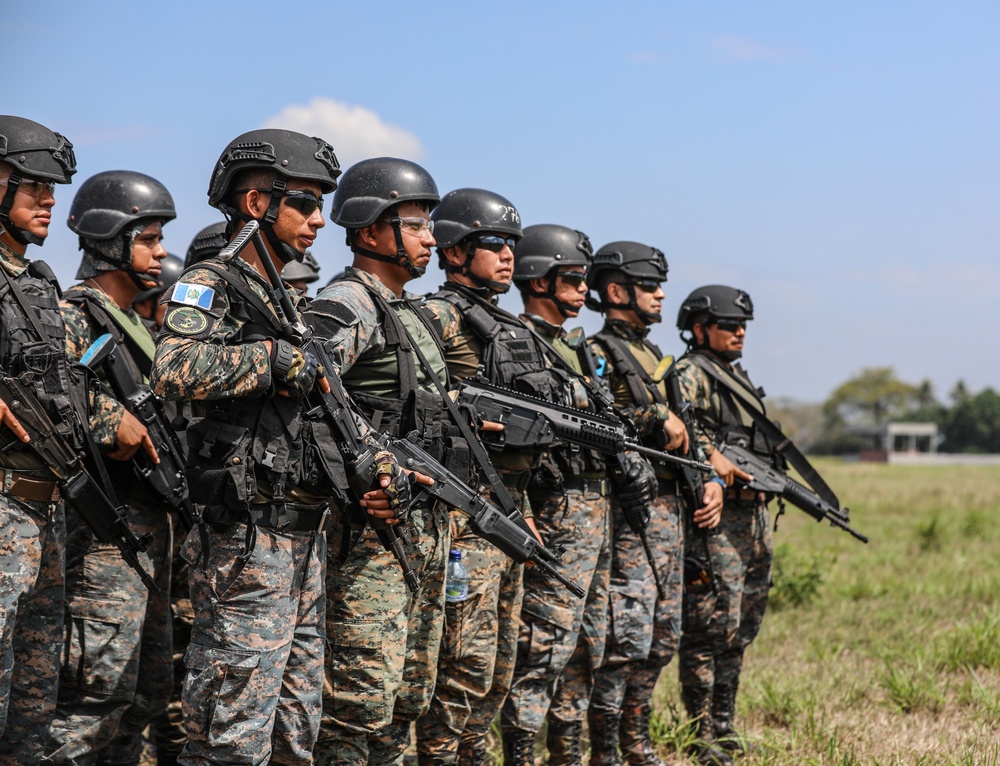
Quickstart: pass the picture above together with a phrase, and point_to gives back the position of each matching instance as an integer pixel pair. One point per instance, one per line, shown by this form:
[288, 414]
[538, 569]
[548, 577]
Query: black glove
[400, 489]
[293, 369]
[636, 491]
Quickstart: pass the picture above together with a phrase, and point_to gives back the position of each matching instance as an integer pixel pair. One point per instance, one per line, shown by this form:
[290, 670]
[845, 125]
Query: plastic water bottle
[456, 580]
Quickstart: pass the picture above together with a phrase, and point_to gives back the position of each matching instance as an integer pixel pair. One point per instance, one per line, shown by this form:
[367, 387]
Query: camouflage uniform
[480, 640]
[722, 619]
[562, 638]
[116, 662]
[254, 665]
[644, 630]
[384, 640]
[33, 530]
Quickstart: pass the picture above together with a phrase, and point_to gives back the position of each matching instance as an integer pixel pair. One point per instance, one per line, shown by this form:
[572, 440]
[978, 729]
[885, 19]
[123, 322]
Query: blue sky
[838, 161]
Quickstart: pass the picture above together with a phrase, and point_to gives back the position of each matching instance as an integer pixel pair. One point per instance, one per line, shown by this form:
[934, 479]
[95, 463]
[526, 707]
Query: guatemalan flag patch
[193, 295]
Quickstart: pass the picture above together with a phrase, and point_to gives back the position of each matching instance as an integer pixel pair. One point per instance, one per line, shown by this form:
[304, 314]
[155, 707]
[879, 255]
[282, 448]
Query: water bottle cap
[455, 556]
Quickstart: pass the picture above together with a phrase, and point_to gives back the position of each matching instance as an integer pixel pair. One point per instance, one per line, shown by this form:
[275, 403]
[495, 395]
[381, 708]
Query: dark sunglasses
[303, 201]
[731, 325]
[298, 199]
[647, 285]
[574, 278]
[495, 244]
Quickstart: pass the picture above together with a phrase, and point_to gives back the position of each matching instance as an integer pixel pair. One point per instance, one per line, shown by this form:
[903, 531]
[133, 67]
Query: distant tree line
[967, 422]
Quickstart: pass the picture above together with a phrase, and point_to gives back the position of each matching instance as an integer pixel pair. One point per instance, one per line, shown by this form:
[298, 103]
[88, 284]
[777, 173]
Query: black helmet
[371, 187]
[628, 264]
[206, 243]
[465, 212]
[289, 155]
[109, 209]
[718, 302]
[307, 270]
[545, 247]
[35, 151]
[106, 202]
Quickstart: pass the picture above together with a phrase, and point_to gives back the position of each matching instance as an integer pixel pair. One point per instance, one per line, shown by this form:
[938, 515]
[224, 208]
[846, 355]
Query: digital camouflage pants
[722, 619]
[253, 690]
[384, 641]
[477, 652]
[561, 639]
[644, 631]
[32, 604]
[115, 675]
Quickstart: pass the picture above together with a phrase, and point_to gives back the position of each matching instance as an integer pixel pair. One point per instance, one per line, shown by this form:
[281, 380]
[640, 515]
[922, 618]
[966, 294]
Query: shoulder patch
[185, 320]
[193, 295]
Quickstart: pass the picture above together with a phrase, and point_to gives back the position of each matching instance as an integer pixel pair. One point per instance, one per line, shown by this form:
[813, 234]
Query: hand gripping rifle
[81, 490]
[767, 478]
[506, 533]
[166, 479]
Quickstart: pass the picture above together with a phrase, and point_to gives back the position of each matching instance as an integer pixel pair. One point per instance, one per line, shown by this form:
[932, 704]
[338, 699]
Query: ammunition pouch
[220, 471]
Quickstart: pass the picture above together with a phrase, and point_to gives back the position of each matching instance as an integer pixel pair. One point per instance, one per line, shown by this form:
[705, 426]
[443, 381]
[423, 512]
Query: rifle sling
[782, 444]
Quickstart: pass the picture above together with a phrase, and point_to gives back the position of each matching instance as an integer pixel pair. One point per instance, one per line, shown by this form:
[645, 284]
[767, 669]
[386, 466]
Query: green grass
[883, 654]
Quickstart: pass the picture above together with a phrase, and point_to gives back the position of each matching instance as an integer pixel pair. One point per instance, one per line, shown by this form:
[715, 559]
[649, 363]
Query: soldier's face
[489, 262]
[295, 228]
[417, 243]
[32, 207]
[571, 287]
[148, 251]
[727, 337]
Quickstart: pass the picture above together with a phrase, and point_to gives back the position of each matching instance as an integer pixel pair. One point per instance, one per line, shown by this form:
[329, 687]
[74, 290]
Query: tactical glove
[400, 489]
[293, 369]
[636, 491]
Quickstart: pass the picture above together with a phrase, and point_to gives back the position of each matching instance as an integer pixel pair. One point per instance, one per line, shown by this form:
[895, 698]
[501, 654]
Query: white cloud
[744, 49]
[355, 132]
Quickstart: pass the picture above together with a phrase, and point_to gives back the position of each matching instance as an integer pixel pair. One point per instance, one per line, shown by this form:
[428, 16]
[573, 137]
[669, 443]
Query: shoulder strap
[140, 353]
[783, 446]
[223, 271]
[639, 382]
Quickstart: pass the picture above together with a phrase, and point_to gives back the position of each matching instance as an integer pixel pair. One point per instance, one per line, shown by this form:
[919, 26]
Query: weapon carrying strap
[640, 383]
[500, 490]
[125, 332]
[755, 408]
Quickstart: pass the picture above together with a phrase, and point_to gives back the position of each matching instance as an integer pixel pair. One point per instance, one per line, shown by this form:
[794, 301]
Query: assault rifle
[166, 479]
[76, 484]
[692, 482]
[529, 422]
[508, 533]
[767, 478]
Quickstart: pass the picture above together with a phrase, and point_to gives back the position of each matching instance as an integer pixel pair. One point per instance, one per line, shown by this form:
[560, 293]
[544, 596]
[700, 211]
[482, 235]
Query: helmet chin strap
[20, 235]
[401, 258]
[466, 270]
[567, 310]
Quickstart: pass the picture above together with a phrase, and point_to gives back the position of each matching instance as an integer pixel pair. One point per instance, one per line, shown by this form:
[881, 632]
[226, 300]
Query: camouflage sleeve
[105, 412]
[448, 318]
[344, 317]
[198, 355]
[696, 389]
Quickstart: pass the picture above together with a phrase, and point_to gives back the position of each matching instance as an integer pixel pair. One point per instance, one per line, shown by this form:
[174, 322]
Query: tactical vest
[40, 362]
[735, 424]
[242, 441]
[392, 389]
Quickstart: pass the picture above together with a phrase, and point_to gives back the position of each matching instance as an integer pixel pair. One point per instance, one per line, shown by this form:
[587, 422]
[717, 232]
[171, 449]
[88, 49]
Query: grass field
[886, 653]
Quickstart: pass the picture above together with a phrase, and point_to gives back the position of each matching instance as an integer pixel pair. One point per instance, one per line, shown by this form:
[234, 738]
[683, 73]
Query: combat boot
[564, 743]
[472, 753]
[723, 713]
[518, 747]
[698, 703]
[636, 744]
[604, 738]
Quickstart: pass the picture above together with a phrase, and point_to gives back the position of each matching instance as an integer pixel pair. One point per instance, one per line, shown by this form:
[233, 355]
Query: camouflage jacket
[105, 414]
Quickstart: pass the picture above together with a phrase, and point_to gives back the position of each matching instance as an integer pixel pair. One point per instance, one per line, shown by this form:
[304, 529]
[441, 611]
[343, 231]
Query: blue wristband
[719, 481]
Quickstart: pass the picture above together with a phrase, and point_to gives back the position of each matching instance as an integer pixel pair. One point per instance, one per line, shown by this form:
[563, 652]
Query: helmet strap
[402, 259]
[466, 270]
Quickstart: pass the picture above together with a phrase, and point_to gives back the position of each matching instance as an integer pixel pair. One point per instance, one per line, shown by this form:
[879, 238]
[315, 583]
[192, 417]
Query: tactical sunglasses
[298, 199]
[495, 244]
[573, 278]
[730, 325]
[34, 188]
